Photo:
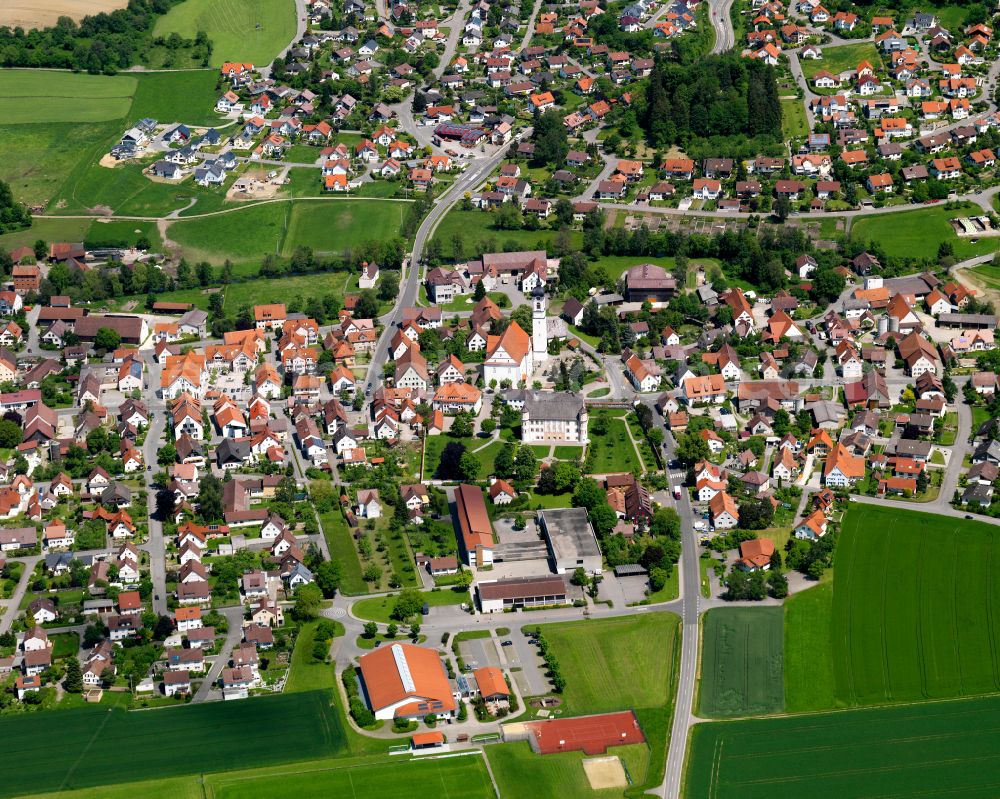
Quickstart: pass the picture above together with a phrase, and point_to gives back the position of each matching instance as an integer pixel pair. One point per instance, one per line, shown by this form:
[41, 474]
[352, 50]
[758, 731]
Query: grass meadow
[41, 97]
[927, 749]
[555, 776]
[843, 58]
[93, 743]
[613, 451]
[247, 234]
[479, 236]
[253, 31]
[380, 608]
[914, 234]
[742, 662]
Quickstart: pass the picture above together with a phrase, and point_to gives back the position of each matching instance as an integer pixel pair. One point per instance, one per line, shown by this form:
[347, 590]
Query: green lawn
[48, 230]
[247, 234]
[164, 743]
[742, 662]
[598, 655]
[38, 96]
[379, 608]
[939, 749]
[253, 31]
[917, 234]
[809, 681]
[479, 236]
[794, 124]
[307, 674]
[341, 544]
[568, 453]
[613, 451]
[187, 97]
[64, 645]
[555, 776]
[488, 451]
[842, 58]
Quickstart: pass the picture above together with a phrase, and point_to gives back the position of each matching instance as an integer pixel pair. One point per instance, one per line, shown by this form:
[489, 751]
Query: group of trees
[13, 215]
[105, 42]
[719, 96]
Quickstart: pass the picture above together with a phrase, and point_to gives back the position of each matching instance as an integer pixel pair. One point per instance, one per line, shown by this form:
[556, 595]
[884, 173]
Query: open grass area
[794, 124]
[938, 749]
[306, 674]
[47, 229]
[484, 449]
[247, 234]
[40, 96]
[842, 58]
[92, 742]
[187, 97]
[809, 681]
[240, 30]
[916, 234]
[379, 608]
[338, 539]
[742, 662]
[479, 235]
[555, 776]
[613, 450]
[598, 655]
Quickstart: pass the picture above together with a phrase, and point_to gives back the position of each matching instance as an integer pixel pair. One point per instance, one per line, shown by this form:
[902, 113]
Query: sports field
[601, 657]
[556, 776]
[930, 749]
[914, 234]
[742, 661]
[35, 97]
[916, 607]
[93, 743]
[253, 31]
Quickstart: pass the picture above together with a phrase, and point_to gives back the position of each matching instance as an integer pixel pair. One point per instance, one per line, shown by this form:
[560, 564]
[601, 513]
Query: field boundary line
[954, 617]
[920, 617]
[991, 630]
[886, 678]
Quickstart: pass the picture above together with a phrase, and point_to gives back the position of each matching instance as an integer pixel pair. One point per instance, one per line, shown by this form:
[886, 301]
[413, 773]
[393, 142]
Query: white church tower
[539, 326]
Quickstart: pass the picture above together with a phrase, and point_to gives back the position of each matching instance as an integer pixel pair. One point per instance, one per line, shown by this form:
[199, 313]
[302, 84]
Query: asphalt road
[725, 36]
[477, 171]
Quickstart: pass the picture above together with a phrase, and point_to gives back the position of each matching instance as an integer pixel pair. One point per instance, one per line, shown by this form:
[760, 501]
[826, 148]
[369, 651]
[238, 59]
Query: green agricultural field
[794, 124]
[598, 655]
[556, 776]
[809, 681]
[613, 451]
[936, 749]
[917, 234]
[462, 777]
[164, 743]
[380, 608]
[456, 777]
[247, 234]
[253, 31]
[35, 97]
[914, 607]
[47, 230]
[842, 58]
[742, 662]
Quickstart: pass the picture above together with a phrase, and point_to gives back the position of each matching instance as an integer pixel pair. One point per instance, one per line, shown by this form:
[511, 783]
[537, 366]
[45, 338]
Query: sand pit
[32, 14]
[605, 772]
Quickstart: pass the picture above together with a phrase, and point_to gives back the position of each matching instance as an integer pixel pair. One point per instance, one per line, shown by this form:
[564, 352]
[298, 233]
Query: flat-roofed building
[570, 540]
[522, 592]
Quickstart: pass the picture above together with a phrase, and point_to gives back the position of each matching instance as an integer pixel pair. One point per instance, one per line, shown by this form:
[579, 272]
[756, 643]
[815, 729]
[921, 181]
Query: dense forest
[720, 96]
[105, 42]
[13, 215]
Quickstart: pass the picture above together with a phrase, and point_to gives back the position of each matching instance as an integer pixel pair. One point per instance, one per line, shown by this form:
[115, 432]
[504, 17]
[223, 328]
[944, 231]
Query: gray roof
[569, 534]
[563, 406]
